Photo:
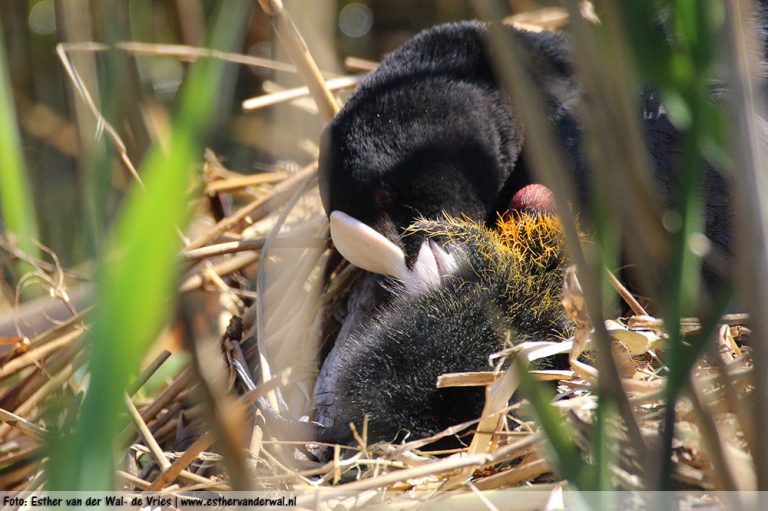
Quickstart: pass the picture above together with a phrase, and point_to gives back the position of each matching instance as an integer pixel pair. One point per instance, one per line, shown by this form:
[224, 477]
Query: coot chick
[499, 285]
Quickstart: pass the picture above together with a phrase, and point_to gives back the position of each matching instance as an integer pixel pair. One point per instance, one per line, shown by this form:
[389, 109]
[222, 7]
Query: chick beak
[366, 248]
[433, 263]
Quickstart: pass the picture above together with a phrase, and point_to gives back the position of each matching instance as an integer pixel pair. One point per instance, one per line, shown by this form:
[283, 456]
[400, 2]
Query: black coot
[431, 132]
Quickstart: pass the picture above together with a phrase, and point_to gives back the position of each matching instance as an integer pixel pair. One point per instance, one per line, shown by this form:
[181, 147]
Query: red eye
[384, 198]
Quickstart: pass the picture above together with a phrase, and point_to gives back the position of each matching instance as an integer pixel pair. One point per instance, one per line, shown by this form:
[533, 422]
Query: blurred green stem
[747, 141]
[18, 212]
[550, 165]
[138, 276]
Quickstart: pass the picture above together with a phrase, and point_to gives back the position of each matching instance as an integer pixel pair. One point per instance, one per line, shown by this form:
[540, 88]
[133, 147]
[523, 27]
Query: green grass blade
[17, 206]
[567, 457]
[746, 113]
[139, 273]
[546, 159]
[681, 67]
[603, 445]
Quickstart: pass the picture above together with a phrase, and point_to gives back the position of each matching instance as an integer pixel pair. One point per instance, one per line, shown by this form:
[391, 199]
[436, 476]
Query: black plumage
[505, 283]
[429, 132]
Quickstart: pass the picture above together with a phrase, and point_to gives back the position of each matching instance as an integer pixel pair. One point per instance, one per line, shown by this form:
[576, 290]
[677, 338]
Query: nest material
[172, 422]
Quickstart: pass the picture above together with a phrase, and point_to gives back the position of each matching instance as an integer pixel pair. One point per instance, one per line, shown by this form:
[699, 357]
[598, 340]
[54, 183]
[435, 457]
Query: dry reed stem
[483, 378]
[336, 465]
[231, 247]
[388, 479]
[188, 457]
[182, 382]
[38, 377]
[303, 103]
[714, 442]
[686, 324]
[146, 435]
[230, 184]
[257, 209]
[174, 409]
[628, 298]
[36, 356]
[514, 476]
[26, 408]
[552, 375]
[17, 421]
[209, 486]
[361, 439]
[55, 332]
[191, 477]
[187, 476]
[497, 398]
[198, 278]
[147, 373]
[184, 53]
[299, 54]
[360, 64]
[515, 449]
[544, 19]
[85, 95]
[133, 480]
[193, 53]
[286, 95]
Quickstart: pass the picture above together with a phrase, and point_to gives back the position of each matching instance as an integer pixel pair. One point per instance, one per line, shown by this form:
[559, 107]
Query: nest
[168, 447]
